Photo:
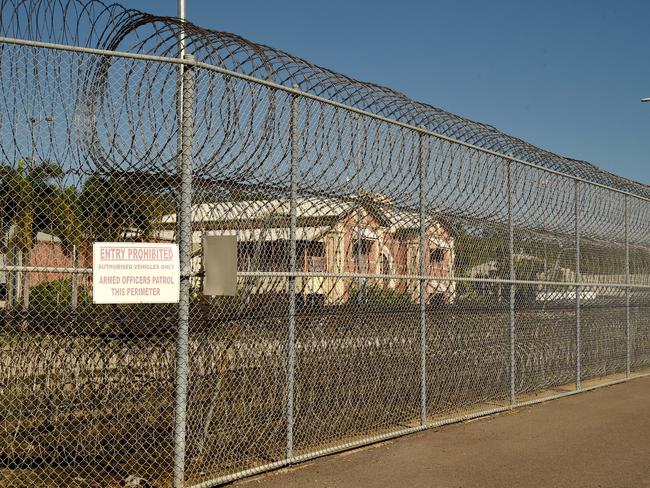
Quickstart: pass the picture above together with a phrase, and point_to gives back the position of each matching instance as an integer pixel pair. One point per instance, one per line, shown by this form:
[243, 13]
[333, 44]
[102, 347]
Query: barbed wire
[418, 262]
[111, 26]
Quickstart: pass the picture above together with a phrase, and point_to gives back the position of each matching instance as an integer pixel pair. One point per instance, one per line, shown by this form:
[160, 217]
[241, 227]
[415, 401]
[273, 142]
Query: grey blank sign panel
[220, 265]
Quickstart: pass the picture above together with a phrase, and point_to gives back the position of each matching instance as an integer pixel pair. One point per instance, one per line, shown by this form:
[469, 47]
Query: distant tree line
[34, 198]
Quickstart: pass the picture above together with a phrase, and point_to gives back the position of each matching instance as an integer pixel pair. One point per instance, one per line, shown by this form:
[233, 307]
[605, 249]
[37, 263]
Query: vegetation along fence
[399, 267]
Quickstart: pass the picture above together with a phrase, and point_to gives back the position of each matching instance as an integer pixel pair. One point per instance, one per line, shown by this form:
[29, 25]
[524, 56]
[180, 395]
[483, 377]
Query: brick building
[366, 235]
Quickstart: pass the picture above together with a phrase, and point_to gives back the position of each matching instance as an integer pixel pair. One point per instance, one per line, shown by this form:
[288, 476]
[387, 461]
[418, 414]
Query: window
[245, 256]
[387, 266]
[361, 252]
[276, 255]
[437, 255]
[263, 256]
[315, 256]
[316, 264]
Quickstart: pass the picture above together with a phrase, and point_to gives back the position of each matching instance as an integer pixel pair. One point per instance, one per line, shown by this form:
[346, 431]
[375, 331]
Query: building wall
[50, 254]
[405, 250]
[389, 253]
[45, 253]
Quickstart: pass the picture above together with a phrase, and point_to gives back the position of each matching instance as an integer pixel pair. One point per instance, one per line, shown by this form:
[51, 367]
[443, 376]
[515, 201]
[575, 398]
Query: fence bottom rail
[432, 423]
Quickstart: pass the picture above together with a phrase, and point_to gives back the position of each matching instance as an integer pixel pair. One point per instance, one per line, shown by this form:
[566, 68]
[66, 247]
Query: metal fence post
[578, 287]
[627, 289]
[422, 290]
[511, 259]
[74, 279]
[357, 167]
[184, 237]
[291, 336]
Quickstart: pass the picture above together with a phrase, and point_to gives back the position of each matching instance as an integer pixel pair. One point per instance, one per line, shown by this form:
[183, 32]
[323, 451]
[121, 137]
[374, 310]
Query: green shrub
[377, 294]
[56, 296]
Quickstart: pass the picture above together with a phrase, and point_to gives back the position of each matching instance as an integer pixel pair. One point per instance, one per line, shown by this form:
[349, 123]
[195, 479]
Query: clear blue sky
[564, 75]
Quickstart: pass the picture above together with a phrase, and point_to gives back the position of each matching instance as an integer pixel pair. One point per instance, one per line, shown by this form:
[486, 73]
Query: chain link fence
[390, 278]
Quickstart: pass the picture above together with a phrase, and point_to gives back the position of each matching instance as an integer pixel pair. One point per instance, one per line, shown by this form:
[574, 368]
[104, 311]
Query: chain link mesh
[388, 277]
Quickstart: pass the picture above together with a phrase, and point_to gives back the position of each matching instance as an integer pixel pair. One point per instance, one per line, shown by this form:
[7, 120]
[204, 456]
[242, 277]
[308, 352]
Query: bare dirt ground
[599, 438]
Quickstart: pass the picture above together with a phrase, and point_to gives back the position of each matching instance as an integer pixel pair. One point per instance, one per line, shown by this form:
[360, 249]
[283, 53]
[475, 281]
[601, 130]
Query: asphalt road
[599, 438]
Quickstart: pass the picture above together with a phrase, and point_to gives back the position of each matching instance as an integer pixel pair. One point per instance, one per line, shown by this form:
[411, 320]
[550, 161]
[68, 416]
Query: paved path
[596, 439]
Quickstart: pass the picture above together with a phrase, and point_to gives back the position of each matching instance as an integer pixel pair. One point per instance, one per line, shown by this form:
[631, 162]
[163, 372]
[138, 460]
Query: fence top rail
[297, 92]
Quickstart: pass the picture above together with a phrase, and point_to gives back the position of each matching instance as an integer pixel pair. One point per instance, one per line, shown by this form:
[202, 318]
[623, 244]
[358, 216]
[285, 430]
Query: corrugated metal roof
[40, 236]
[307, 207]
[245, 213]
[259, 234]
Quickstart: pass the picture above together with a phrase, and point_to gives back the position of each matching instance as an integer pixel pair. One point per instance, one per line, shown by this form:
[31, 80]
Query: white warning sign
[129, 272]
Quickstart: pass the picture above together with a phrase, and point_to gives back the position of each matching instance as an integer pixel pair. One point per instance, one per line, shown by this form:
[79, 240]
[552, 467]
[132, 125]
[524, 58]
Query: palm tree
[106, 209]
[27, 203]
